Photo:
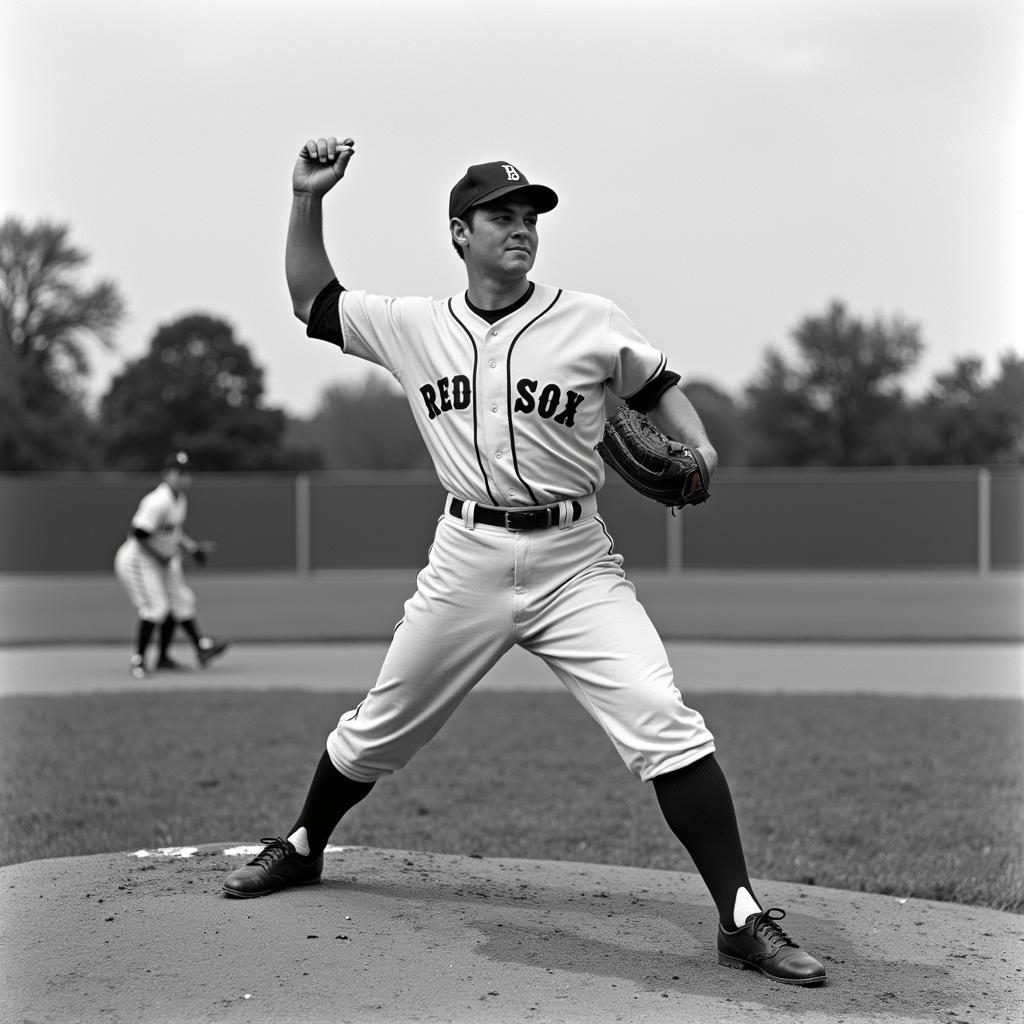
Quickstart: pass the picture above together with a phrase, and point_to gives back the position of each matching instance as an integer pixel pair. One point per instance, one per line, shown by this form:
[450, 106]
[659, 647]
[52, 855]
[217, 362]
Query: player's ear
[460, 231]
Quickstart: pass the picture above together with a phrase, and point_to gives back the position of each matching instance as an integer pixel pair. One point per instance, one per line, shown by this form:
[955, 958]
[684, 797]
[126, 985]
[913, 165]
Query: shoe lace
[765, 927]
[275, 848]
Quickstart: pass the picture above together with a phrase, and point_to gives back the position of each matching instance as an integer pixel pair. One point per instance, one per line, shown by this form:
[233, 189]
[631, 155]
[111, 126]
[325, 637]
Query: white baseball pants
[559, 593]
[154, 590]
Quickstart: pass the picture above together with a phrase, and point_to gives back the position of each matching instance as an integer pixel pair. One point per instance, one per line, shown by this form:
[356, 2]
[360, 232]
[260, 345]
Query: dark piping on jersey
[476, 444]
[508, 401]
[655, 381]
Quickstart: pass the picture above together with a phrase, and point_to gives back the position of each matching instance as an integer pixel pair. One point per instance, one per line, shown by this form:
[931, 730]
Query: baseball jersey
[510, 411]
[161, 514]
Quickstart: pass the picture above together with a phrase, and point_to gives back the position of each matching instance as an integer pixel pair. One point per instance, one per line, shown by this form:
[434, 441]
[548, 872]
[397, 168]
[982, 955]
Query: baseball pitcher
[507, 383]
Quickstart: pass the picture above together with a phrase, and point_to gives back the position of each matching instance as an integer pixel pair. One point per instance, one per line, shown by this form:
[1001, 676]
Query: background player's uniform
[511, 412]
[156, 590]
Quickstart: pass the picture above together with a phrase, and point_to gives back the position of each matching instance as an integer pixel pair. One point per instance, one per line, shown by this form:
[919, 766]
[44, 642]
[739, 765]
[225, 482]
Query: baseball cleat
[167, 664]
[137, 666]
[761, 945]
[210, 648]
[277, 866]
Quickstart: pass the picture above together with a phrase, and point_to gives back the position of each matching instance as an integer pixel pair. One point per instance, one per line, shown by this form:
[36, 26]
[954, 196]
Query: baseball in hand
[321, 164]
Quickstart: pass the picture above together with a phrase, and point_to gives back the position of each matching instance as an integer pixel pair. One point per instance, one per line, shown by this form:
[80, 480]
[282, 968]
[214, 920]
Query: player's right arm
[320, 166]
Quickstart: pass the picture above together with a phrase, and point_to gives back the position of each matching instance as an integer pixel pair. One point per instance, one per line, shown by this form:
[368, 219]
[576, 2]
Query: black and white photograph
[512, 513]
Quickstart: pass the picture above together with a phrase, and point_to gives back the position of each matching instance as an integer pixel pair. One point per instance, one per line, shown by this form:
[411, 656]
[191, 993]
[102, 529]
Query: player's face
[503, 239]
[177, 480]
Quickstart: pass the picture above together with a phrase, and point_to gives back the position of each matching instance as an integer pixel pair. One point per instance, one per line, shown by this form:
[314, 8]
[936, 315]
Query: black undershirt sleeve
[648, 396]
[324, 321]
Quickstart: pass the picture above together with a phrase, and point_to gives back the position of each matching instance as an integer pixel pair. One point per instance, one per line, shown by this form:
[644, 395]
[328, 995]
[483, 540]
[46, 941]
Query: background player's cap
[483, 183]
[177, 460]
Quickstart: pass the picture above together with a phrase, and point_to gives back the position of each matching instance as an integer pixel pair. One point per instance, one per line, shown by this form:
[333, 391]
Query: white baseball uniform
[157, 590]
[511, 413]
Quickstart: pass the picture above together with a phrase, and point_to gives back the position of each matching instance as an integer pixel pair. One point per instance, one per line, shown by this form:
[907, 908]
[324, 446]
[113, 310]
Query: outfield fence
[942, 518]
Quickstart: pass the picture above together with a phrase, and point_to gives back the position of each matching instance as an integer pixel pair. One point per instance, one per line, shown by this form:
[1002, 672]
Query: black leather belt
[519, 518]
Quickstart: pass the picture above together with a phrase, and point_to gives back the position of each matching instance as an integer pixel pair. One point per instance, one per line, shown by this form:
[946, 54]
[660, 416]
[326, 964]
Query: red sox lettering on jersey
[455, 394]
[508, 410]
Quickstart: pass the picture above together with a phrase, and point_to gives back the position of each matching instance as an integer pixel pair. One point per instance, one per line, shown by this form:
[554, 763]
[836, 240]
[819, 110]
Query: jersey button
[492, 364]
[494, 408]
[497, 455]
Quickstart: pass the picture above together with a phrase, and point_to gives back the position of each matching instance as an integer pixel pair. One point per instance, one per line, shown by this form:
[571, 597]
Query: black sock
[166, 635]
[698, 807]
[330, 796]
[143, 635]
[189, 625]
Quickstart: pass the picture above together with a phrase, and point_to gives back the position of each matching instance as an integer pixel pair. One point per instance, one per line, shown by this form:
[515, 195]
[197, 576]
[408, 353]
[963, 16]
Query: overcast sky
[725, 167]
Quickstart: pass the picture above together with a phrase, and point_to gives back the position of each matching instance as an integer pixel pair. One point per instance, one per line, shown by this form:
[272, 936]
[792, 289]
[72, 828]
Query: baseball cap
[483, 183]
[176, 460]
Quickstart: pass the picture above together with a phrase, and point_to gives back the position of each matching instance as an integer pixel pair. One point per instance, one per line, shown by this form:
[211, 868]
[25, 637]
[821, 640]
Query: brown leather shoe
[762, 945]
[277, 866]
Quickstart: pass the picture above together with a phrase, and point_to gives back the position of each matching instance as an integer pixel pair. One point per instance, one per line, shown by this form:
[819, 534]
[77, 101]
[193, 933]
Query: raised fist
[321, 165]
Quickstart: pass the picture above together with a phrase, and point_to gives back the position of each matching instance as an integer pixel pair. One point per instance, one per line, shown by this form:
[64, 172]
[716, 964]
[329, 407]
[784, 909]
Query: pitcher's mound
[395, 936]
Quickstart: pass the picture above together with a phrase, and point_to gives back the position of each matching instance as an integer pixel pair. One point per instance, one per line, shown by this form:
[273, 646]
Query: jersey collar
[530, 299]
[492, 316]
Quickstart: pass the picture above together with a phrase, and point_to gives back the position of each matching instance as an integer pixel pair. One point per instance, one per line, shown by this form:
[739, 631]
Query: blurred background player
[149, 566]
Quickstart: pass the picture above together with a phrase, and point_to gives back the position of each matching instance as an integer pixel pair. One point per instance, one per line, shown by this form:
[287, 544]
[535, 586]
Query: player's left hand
[710, 457]
[202, 550]
[653, 463]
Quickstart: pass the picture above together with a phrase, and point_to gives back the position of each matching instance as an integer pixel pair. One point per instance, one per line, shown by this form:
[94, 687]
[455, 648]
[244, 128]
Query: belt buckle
[531, 518]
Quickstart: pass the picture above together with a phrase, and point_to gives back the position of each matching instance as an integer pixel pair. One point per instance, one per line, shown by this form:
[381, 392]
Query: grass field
[905, 796]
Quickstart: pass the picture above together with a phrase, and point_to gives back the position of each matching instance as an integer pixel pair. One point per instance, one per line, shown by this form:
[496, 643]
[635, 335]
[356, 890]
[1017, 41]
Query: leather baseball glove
[652, 463]
[201, 551]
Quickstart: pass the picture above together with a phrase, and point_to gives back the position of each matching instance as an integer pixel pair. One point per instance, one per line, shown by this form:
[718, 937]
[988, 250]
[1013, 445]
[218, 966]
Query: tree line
[837, 399]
